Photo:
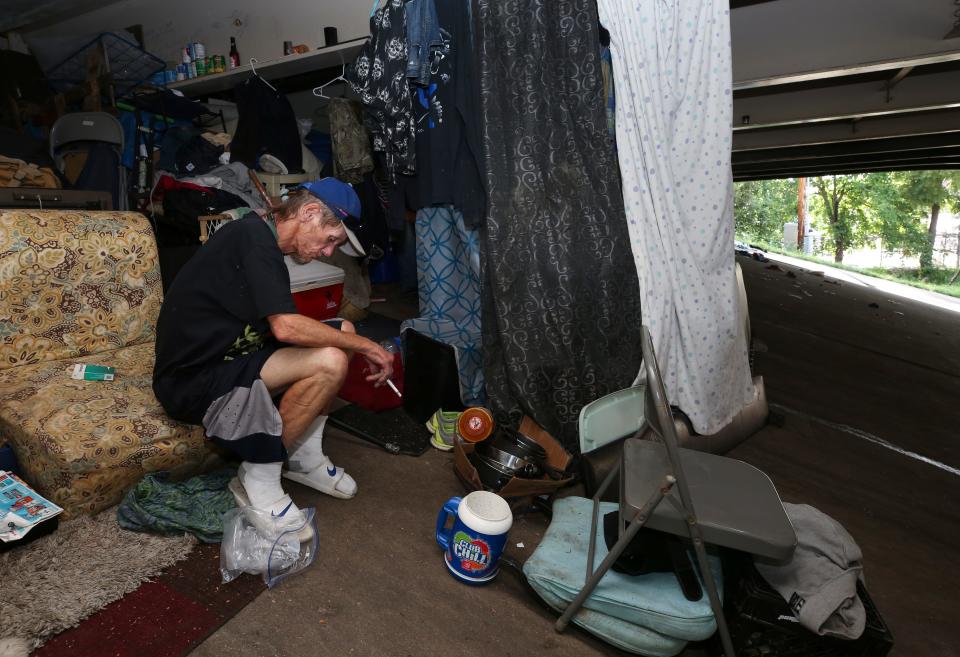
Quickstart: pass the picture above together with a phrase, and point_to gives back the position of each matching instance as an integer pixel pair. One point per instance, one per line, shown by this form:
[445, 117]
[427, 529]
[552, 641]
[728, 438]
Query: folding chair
[710, 498]
[77, 130]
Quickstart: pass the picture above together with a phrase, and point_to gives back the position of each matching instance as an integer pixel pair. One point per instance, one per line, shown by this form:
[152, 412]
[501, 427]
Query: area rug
[166, 617]
[55, 582]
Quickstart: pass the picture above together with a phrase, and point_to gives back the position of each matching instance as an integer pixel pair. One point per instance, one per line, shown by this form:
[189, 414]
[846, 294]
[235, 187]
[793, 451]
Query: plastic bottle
[390, 346]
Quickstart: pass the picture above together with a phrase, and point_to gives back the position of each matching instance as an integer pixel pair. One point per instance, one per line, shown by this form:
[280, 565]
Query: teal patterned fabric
[196, 505]
[448, 277]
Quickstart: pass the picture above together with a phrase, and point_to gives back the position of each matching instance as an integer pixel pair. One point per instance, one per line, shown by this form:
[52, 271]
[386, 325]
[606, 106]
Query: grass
[936, 280]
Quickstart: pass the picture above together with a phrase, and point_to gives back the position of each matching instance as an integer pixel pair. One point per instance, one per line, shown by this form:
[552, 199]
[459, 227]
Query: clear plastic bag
[274, 554]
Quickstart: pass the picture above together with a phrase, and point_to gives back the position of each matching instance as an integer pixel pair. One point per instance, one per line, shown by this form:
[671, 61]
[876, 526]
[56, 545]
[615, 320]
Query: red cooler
[317, 288]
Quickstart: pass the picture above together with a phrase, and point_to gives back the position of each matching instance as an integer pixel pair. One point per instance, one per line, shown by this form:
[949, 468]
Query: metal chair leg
[591, 548]
[636, 524]
[715, 603]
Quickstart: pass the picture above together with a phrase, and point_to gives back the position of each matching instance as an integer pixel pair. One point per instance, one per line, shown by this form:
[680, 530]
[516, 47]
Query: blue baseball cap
[343, 202]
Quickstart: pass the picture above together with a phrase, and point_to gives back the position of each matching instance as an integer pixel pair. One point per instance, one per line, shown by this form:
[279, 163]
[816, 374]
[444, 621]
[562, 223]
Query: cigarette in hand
[394, 388]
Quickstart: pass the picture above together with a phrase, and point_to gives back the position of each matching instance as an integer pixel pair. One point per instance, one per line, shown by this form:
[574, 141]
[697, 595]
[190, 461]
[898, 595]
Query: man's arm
[303, 331]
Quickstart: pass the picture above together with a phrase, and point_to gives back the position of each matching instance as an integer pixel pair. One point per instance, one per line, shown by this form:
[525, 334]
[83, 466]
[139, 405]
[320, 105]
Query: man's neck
[272, 225]
[285, 232]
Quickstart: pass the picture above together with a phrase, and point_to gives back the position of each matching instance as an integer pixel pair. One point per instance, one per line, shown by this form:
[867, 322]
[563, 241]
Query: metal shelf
[126, 64]
[274, 69]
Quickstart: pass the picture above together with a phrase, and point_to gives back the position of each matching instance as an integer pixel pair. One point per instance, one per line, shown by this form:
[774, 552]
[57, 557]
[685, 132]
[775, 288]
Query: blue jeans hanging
[424, 38]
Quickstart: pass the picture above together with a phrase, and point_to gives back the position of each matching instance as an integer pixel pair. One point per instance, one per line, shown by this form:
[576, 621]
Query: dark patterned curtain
[561, 304]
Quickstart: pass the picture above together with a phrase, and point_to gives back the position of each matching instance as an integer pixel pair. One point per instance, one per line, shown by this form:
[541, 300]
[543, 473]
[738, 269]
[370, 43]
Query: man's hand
[382, 361]
[302, 331]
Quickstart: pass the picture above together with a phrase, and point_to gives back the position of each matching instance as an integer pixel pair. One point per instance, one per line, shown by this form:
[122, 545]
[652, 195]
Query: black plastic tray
[761, 623]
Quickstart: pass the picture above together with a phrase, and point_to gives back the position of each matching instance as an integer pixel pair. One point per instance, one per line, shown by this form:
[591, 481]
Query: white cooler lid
[312, 275]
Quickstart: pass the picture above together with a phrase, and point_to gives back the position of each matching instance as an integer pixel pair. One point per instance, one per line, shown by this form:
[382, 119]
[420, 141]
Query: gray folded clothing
[820, 582]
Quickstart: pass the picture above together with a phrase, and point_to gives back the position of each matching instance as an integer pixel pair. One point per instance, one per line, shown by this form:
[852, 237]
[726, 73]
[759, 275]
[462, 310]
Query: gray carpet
[55, 582]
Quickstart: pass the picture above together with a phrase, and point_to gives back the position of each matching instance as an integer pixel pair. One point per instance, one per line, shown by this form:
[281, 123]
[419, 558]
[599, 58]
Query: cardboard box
[317, 288]
[557, 458]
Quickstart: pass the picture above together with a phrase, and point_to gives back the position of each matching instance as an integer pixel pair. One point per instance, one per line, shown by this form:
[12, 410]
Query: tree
[761, 207]
[924, 194]
[890, 215]
[842, 201]
[862, 207]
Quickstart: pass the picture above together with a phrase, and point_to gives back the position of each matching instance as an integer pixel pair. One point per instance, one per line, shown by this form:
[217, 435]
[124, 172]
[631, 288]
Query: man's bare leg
[311, 379]
[303, 410]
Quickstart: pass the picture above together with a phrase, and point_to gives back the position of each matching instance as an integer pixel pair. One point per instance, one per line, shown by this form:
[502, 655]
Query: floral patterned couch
[84, 287]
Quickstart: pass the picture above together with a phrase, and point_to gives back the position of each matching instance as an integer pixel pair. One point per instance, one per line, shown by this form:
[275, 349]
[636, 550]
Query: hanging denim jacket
[424, 37]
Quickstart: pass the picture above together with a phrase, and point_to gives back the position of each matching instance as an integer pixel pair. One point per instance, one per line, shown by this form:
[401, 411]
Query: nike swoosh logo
[282, 513]
[331, 471]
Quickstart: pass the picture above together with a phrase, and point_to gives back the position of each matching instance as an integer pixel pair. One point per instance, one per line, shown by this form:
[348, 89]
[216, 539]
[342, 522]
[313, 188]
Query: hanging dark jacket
[267, 124]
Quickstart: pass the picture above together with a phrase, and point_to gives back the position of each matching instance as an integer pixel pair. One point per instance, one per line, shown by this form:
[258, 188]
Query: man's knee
[330, 362]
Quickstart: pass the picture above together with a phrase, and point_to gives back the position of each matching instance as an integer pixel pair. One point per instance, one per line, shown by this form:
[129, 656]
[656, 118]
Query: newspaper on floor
[21, 507]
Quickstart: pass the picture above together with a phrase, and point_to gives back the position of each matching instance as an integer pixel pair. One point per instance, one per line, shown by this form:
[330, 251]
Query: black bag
[197, 157]
[652, 551]
[178, 225]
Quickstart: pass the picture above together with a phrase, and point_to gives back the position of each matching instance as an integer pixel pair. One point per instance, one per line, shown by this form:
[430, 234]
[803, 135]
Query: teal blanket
[196, 505]
[648, 611]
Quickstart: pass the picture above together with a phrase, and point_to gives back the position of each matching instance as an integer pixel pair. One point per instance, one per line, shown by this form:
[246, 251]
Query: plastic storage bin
[272, 182]
[317, 288]
[761, 623]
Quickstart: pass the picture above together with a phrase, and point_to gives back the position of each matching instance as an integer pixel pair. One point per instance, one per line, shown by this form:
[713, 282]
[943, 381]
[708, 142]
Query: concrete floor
[831, 362]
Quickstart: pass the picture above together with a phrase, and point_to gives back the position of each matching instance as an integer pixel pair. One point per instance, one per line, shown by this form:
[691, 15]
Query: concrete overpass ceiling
[840, 73]
[780, 37]
[805, 72]
[32, 14]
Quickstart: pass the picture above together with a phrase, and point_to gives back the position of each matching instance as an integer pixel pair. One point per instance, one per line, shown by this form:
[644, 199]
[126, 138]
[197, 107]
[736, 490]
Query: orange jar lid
[475, 424]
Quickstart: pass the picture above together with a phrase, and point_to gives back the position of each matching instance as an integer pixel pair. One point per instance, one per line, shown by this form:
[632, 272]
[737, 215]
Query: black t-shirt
[218, 305]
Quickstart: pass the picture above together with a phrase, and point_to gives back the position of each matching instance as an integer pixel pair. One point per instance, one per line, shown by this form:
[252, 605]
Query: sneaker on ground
[443, 427]
[445, 419]
[438, 443]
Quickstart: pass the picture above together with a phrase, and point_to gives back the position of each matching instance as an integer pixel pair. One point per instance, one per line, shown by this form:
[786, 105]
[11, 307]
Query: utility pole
[801, 211]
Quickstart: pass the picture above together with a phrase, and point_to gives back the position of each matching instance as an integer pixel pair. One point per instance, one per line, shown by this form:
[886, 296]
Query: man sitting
[230, 340]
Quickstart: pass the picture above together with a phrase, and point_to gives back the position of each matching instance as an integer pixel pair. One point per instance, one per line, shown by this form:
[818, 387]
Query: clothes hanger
[318, 91]
[253, 60]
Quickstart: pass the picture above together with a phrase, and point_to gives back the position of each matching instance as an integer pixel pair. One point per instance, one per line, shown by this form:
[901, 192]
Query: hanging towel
[820, 582]
[672, 74]
[448, 277]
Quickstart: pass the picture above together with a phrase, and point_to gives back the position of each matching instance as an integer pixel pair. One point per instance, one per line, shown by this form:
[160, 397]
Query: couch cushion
[75, 283]
[84, 443]
[653, 600]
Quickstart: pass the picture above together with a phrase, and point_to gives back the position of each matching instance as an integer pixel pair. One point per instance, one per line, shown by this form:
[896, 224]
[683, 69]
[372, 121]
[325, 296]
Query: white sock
[262, 483]
[307, 454]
